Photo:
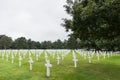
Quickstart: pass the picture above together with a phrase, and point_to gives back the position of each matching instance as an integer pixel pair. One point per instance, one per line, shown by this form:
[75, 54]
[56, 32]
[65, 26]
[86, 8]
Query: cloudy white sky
[36, 19]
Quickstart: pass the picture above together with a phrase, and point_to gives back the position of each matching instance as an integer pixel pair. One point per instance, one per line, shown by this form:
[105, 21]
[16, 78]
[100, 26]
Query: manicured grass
[105, 69]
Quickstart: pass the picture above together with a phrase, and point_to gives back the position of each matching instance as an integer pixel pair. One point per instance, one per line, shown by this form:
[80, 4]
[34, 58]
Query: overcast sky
[36, 19]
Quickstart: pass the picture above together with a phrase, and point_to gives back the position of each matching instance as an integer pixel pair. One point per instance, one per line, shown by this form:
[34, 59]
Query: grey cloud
[36, 19]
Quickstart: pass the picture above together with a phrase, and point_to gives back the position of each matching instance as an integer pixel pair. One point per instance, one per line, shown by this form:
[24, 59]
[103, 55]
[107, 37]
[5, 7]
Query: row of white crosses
[48, 65]
[84, 54]
[90, 54]
[58, 58]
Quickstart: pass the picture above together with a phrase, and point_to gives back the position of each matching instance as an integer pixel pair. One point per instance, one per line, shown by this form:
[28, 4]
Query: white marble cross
[48, 65]
[46, 56]
[6, 57]
[62, 56]
[13, 58]
[29, 53]
[20, 61]
[75, 61]
[92, 55]
[19, 53]
[84, 56]
[73, 53]
[24, 54]
[53, 55]
[2, 56]
[98, 56]
[31, 62]
[108, 55]
[89, 57]
[15, 53]
[111, 53]
[58, 60]
[37, 56]
[104, 55]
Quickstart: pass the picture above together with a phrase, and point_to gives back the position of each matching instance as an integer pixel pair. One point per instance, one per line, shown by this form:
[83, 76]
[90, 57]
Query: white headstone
[53, 55]
[62, 56]
[48, 65]
[31, 62]
[2, 56]
[84, 56]
[58, 60]
[89, 58]
[104, 55]
[108, 55]
[37, 56]
[29, 54]
[46, 56]
[24, 55]
[98, 56]
[73, 53]
[75, 61]
[12, 58]
[6, 57]
[20, 61]
[111, 53]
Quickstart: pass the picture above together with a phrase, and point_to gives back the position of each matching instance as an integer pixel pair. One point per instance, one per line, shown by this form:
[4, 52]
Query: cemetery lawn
[105, 69]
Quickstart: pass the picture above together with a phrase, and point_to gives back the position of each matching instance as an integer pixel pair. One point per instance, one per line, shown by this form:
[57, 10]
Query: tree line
[71, 43]
[23, 43]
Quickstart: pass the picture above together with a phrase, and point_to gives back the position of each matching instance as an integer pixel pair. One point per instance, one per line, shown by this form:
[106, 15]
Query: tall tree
[5, 42]
[72, 43]
[46, 45]
[20, 43]
[58, 44]
[93, 20]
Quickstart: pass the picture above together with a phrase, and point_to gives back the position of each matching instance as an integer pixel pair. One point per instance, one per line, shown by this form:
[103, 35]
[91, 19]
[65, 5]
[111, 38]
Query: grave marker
[31, 62]
[48, 65]
[20, 61]
[75, 61]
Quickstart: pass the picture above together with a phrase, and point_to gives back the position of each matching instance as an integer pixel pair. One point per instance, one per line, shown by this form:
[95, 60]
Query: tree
[33, 44]
[72, 43]
[20, 43]
[93, 20]
[58, 44]
[5, 42]
[46, 45]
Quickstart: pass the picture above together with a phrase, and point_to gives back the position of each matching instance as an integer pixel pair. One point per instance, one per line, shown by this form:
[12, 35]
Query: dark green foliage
[20, 43]
[5, 41]
[94, 21]
[46, 45]
[23, 43]
[58, 44]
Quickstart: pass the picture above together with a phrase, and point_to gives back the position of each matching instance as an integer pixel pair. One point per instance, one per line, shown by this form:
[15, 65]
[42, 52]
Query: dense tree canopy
[5, 41]
[20, 43]
[23, 43]
[94, 21]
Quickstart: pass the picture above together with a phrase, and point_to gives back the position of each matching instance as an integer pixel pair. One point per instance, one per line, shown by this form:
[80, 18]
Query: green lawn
[105, 69]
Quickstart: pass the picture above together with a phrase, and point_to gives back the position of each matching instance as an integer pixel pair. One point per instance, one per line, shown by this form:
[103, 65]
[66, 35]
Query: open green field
[105, 69]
